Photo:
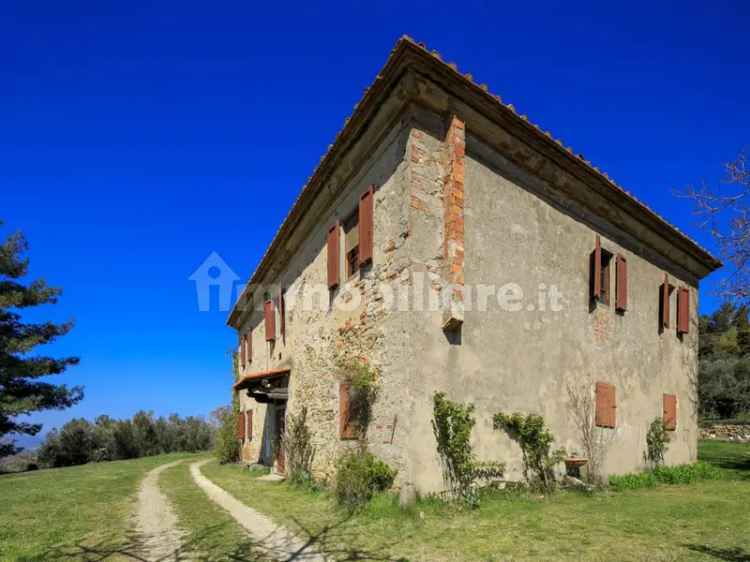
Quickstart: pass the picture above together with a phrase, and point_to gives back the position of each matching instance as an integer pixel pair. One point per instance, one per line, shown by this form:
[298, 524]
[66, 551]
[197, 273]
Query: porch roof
[250, 380]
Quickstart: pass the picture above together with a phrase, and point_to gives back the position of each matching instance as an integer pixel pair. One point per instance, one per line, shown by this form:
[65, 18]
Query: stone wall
[321, 335]
[517, 229]
[726, 432]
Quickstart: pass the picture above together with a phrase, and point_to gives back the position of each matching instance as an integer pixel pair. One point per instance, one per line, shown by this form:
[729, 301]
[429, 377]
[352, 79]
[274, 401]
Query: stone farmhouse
[451, 245]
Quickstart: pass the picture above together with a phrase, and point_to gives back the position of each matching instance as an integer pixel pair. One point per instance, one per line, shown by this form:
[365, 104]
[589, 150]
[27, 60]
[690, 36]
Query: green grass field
[84, 513]
[63, 512]
[703, 521]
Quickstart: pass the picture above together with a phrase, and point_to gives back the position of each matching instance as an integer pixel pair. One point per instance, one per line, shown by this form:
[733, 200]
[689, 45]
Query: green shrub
[452, 424]
[227, 445]
[359, 475]
[680, 474]
[657, 441]
[531, 433]
[298, 448]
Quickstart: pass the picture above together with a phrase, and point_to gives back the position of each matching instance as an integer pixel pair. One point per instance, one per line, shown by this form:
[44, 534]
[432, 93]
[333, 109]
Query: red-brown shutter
[241, 426]
[366, 205]
[670, 412]
[346, 428]
[683, 311]
[596, 270]
[605, 405]
[333, 256]
[270, 317]
[249, 415]
[621, 296]
[664, 302]
[243, 350]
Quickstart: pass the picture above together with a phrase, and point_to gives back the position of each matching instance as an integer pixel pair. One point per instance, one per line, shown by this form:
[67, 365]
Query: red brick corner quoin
[453, 205]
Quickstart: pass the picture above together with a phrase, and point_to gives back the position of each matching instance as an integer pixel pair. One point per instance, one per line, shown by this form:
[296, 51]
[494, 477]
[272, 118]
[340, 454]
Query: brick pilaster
[453, 212]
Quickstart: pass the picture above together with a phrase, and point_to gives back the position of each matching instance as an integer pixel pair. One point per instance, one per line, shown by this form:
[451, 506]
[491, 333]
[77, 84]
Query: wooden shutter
[664, 303]
[596, 270]
[621, 296]
[333, 256]
[249, 415]
[270, 317]
[243, 350]
[683, 311]
[346, 428]
[670, 412]
[366, 205]
[605, 405]
[241, 426]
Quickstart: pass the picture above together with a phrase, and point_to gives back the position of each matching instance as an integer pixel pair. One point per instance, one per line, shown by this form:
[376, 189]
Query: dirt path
[159, 539]
[274, 540]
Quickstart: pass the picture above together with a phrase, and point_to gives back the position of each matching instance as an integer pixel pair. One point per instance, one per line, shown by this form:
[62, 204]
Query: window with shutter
[670, 412]
[599, 273]
[683, 311]
[366, 229]
[332, 245]
[241, 426]
[347, 429]
[351, 243]
[605, 405]
[270, 320]
[621, 288]
[665, 292]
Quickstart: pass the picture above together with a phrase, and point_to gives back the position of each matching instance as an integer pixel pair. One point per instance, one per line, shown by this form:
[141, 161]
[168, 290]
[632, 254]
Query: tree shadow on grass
[331, 542]
[735, 554]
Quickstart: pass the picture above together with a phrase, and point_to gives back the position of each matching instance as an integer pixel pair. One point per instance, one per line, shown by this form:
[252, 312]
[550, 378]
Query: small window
[599, 285]
[351, 244]
[606, 260]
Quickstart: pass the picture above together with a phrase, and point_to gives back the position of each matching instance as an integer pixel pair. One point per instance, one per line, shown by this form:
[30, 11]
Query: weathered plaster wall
[354, 324]
[516, 232]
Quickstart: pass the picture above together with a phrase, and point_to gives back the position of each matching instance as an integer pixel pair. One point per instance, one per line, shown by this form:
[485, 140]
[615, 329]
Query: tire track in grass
[211, 533]
[158, 536]
[275, 541]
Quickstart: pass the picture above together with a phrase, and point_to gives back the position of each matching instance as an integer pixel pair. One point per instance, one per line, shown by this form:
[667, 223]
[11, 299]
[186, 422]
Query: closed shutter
[605, 405]
[241, 426]
[270, 318]
[333, 256]
[249, 415]
[621, 296]
[596, 270]
[243, 350]
[664, 303]
[683, 311]
[670, 412]
[346, 428]
[366, 205]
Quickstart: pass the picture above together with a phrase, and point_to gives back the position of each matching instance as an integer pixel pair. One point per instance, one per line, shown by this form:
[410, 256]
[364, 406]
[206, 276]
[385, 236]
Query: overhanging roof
[250, 380]
[407, 51]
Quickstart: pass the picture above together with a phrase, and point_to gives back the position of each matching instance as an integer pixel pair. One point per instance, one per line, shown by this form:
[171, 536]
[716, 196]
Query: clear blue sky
[136, 138]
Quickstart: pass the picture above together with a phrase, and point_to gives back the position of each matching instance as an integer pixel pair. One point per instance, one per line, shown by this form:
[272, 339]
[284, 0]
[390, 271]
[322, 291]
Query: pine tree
[20, 391]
